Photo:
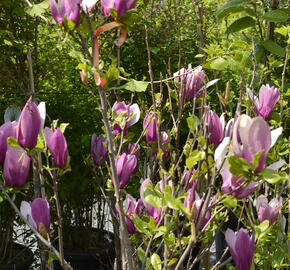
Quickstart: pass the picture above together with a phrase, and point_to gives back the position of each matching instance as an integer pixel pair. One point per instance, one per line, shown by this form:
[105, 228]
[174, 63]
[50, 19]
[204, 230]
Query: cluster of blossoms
[249, 137]
[16, 160]
[70, 10]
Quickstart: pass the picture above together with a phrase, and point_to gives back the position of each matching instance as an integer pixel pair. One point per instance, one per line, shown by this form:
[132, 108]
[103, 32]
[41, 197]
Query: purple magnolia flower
[126, 164]
[241, 247]
[269, 210]
[164, 144]
[69, 9]
[29, 125]
[121, 6]
[133, 207]
[132, 115]
[236, 185]
[16, 167]
[251, 136]
[151, 125]
[151, 210]
[56, 144]
[216, 127]
[192, 197]
[268, 97]
[37, 214]
[8, 129]
[191, 81]
[199, 207]
[134, 149]
[99, 151]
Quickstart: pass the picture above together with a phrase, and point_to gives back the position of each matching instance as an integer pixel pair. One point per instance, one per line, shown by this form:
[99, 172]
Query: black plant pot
[100, 257]
[220, 242]
[22, 259]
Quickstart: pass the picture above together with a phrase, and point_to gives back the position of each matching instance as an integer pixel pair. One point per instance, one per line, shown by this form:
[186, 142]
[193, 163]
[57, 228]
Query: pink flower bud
[56, 144]
[241, 247]
[37, 214]
[215, 129]
[151, 125]
[29, 125]
[99, 151]
[126, 164]
[16, 167]
[268, 211]
[69, 9]
[191, 81]
[8, 129]
[121, 6]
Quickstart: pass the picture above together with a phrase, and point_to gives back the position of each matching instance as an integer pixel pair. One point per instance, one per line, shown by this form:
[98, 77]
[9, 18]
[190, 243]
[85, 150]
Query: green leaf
[12, 142]
[233, 6]
[276, 15]
[63, 127]
[169, 199]
[156, 262]
[38, 9]
[193, 159]
[241, 24]
[136, 86]
[140, 253]
[272, 176]
[172, 262]
[51, 257]
[112, 74]
[238, 166]
[141, 226]
[230, 201]
[130, 17]
[273, 48]
[192, 122]
[219, 64]
[152, 197]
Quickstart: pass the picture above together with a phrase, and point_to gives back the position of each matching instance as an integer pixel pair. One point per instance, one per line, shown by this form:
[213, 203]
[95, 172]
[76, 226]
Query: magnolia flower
[126, 165]
[132, 207]
[29, 125]
[236, 185]
[151, 210]
[151, 126]
[8, 129]
[269, 210]
[191, 81]
[215, 128]
[65, 9]
[16, 167]
[121, 6]
[57, 145]
[37, 214]
[251, 136]
[268, 97]
[131, 115]
[99, 151]
[241, 247]
[134, 149]
[192, 197]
